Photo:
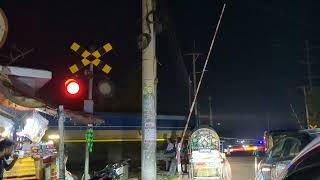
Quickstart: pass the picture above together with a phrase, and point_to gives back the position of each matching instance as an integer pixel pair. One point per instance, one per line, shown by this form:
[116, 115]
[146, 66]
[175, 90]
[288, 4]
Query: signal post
[91, 59]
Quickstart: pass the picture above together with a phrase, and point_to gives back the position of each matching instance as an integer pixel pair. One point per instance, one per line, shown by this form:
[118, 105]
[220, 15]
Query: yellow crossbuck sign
[90, 58]
[312, 126]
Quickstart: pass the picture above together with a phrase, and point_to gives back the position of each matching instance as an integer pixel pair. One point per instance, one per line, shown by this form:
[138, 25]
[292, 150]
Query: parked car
[272, 137]
[280, 155]
[305, 165]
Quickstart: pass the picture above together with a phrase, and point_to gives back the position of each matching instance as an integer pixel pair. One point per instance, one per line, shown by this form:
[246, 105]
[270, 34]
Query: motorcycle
[113, 171]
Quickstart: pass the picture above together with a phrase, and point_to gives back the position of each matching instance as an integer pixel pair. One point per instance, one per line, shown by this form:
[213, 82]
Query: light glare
[73, 88]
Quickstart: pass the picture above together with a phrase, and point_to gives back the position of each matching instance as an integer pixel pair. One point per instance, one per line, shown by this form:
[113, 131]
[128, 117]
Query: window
[277, 149]
[310, 158]
[291, 148]
[288, 147]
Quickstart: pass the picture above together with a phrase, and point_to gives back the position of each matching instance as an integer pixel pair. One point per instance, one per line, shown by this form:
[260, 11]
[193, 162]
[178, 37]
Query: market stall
[6, 127]
[36, 158]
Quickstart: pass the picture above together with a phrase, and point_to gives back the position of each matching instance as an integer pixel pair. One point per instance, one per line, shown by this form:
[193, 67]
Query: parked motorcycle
[113, 171]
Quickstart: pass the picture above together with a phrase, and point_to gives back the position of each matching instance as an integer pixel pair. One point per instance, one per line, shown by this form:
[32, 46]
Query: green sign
[89, 139]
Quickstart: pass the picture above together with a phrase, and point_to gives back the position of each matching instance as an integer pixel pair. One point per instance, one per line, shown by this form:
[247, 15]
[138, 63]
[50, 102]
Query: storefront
[37, 159]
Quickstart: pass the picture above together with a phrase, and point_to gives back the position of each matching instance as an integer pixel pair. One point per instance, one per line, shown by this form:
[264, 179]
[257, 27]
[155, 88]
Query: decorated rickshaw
[205, 159]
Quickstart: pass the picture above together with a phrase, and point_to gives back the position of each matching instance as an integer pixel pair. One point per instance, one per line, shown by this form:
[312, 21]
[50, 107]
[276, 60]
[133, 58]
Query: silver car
[281, 154]
[305, 165]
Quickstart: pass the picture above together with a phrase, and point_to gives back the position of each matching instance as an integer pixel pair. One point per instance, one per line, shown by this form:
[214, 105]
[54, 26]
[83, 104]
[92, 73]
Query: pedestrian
[68, 175]
[170, 152]
[6, 148]
[170, 146]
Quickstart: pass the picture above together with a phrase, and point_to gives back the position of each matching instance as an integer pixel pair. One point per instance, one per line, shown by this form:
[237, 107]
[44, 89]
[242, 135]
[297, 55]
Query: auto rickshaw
[205, 158]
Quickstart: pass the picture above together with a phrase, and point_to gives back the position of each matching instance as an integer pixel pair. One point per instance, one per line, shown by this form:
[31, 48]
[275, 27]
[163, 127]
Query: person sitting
[170, 153]
[170, 146]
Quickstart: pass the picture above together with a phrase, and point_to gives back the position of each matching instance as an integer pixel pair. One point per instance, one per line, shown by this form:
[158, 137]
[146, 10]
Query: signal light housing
[72, 86]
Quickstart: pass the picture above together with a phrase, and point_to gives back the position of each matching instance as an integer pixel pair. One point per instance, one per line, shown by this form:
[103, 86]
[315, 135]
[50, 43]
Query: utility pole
[195, 57]
[296, 116]
[190, 92]
[268, 121]
[61, 143]
[306, 107]
[308, 65]
[210, 112]
[149, 72]
[307, 89]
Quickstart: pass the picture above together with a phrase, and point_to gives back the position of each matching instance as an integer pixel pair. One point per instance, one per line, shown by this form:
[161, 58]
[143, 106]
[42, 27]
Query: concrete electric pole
[210, 112]
[195, 57]
[307, 89]
[308, 65]
[61, 143]
[149, 112]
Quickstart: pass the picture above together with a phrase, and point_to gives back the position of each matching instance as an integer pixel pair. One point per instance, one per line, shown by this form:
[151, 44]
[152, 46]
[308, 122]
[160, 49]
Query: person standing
[6, 148]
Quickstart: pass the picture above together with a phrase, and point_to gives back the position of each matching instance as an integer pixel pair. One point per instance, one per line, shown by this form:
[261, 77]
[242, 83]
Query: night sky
[254, 71]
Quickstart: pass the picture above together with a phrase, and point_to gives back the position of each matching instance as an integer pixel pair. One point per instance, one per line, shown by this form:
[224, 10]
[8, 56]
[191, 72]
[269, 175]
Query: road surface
[242, 167]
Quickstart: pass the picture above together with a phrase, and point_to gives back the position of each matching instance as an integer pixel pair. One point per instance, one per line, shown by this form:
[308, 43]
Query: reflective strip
[85, 62]
[85, 54]
[74, 68]
[96, 54]
[107, 47]
[75, 47]
[106, 69]
[96, 62]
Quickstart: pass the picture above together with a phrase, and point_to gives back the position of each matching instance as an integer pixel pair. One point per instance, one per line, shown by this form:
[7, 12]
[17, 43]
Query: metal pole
[296, 116]
[87, 155]
[149, 130]
[190, 93]
[306, 106]
[255, 166]
[195, 56]
[309, 65]
[210, 112]
[61, 143]
[90, 82]
[268, 121]
[86, 165]
[195, 87]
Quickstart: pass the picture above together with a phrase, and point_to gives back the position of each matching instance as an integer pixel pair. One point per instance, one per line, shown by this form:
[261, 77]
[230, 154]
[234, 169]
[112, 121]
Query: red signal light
[72, 86]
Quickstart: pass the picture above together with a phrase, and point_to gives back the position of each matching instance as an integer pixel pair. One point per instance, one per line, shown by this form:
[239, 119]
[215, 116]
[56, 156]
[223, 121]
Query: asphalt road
[242, 167]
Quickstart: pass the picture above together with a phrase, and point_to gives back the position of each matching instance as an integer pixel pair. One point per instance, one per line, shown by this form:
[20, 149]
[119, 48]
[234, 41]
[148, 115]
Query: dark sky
[253, 72]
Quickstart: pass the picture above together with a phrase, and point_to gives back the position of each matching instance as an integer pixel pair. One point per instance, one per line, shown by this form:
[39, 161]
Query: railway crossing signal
[72, 86]
[90, 58]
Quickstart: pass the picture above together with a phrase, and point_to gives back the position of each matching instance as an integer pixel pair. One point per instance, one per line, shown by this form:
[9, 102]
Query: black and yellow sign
[312, 126]
[90, 58]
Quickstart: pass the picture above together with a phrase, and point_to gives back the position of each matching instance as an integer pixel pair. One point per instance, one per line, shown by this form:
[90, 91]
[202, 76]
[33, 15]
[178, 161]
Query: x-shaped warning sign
[312, 126]
[90, 58]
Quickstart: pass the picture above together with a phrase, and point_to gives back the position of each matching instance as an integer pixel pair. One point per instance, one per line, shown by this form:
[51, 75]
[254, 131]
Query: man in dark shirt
[6, 148]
